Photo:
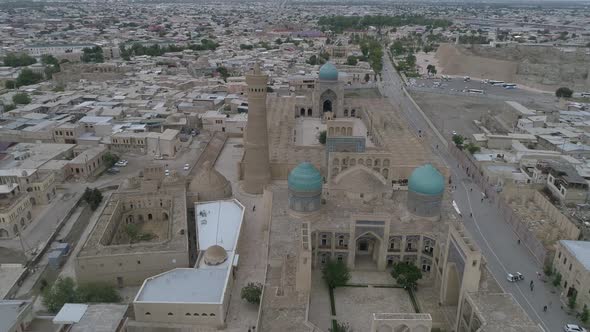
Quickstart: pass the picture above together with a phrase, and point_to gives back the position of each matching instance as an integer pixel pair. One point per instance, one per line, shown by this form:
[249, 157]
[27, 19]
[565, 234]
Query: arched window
[187, 314]
[212, 315]
[170, 314]
[346, 112]
[150, 217]
[203, 314]
[148, 313]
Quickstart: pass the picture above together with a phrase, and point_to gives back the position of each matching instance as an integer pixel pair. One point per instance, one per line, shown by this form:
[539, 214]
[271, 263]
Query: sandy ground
[425, 59]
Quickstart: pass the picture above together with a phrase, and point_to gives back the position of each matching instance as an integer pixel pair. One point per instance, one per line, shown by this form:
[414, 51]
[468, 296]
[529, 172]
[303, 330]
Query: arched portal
[302, 112]
[327, 106]
[367, 252]
[309, 112]
[3, 233]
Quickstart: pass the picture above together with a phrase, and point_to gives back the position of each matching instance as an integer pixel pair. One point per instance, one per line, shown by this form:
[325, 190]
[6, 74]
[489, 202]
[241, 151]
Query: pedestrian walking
[471, 214]
[482, 200]
[254, 208]
[518, 241]
[470, 189]
[545, 308]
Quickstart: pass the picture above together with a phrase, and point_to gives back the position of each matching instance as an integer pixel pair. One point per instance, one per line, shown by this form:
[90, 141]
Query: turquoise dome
[305, 178]
[328, 72]
[426, 180]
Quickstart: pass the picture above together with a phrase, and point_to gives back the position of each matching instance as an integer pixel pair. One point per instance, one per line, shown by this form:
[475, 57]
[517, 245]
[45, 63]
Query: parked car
[121, 163]
[573, 328]
[186, 167]
[113, 170]
[167, 172]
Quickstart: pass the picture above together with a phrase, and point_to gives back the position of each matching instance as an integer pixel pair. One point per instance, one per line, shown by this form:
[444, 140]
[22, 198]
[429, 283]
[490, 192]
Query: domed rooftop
[215, 255]
[328, 72]
[426, 180]
[305, 178]
[209, 184]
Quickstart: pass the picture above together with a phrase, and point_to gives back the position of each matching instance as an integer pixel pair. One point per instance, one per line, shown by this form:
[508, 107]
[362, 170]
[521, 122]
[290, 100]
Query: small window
[212, 315]
[187, 314]
[195, 314]
[148, 313]
[138, 262]
[170, 314]
[203, 314]
[559, 255]
[570, 267]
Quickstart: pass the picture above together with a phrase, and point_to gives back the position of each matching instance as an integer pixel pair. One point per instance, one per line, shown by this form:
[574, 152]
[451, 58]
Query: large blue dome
[426, 180]
[305, 178]
[328, 72]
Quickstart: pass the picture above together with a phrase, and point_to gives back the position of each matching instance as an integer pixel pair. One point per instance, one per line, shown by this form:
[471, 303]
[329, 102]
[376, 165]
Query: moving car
[573, 328]
[515, 277]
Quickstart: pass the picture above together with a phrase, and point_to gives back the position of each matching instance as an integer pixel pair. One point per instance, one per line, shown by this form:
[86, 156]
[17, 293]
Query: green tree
[10, 84]
[61, 292]
[411, 60]
[406, 274]
[322, 137]
[28, 77]
[351, 60]
[278, 41]
[93, 197]
[458, 140]
[97, 292]
[110, 159]
[564, 92]
[397, 48]
[48, 59]
[472, 148]
[585, 314]
[18, 60]
[571, 301]
[557, 280]
[223, 72]
[431, 69]
[252, 292]
[21, 98]
[92, 54]
[341, 327]
[335, 274]
[246, 47]
[9, 107]
[313, 60]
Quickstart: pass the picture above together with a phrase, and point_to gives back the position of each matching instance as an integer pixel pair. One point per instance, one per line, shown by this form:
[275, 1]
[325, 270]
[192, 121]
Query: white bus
[585, 94]
[509, 86]
[477, 91]
[493, 82]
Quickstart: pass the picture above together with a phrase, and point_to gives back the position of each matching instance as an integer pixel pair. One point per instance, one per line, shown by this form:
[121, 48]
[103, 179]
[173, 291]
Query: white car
[186, 167]
[167, 172]
[121, 163]
[573, 328]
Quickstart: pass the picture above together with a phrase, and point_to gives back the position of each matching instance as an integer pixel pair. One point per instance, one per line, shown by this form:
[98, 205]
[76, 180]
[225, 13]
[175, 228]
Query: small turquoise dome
[305, 178]
[426, 180]
[328, 72]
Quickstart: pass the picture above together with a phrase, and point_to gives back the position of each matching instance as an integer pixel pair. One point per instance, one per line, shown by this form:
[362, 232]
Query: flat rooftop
[9, 312]
[501, 313]
[219, 223]
[580, 249]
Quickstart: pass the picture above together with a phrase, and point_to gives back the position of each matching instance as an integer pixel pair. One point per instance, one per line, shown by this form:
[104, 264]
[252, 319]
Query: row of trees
[373, 52]
[340, 23]
[18, 60]
[28, 77]
[92, 55]
[138, 49]
[65, 291]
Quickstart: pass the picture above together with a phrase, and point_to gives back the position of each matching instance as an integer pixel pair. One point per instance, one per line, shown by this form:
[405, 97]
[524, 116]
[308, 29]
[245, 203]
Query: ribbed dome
[426, 180]
[328, 72]
[305, 178]
[215, 255]
[210, 184]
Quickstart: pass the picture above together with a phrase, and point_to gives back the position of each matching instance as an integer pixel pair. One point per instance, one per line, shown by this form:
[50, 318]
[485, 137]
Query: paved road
[494, 237]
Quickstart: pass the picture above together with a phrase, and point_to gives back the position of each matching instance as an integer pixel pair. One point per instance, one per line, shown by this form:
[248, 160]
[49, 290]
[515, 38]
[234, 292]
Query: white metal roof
[70, 313]
[219, 223]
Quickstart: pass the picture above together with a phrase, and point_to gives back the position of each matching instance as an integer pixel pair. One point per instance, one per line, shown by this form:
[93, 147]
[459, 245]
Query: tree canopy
[406, 274]
[28, 77]
[252, 292]
[21, 99]
[564, 92]
[65, 291]
[93, 54]
[18, 60]
[92, 197]
[335, 273]
[340, 23]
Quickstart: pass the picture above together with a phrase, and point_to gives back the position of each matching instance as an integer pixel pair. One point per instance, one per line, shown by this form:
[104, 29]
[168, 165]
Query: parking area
[456, 84]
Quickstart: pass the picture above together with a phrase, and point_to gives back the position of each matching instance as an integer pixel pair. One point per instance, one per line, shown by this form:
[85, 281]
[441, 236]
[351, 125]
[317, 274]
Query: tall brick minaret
[257, 170]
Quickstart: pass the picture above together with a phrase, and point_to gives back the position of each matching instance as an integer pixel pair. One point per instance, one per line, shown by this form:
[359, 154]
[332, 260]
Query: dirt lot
[453, 113]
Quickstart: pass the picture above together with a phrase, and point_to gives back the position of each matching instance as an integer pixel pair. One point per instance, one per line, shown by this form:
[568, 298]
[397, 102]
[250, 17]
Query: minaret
[257, 172]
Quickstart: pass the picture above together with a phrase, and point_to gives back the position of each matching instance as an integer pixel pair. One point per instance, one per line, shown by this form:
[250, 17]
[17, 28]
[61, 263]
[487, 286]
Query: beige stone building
[141, 232]
[187, 298]
[87, 163]
[39, 184]
[15, 210]
[572, 261]
[165, 144]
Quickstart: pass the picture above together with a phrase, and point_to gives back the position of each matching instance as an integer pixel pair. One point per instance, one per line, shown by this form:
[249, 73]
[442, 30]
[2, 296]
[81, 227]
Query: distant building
[572, 261]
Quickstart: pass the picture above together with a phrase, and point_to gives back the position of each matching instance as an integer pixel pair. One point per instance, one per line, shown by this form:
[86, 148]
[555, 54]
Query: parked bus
[509, 86]
[475, 91]
[585, 94]
[493, 82]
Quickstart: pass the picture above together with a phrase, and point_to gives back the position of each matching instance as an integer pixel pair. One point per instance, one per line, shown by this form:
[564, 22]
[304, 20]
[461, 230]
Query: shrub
[252, 292]
[322, 137]
[21, 99]
[557, 280]
[564, 92]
